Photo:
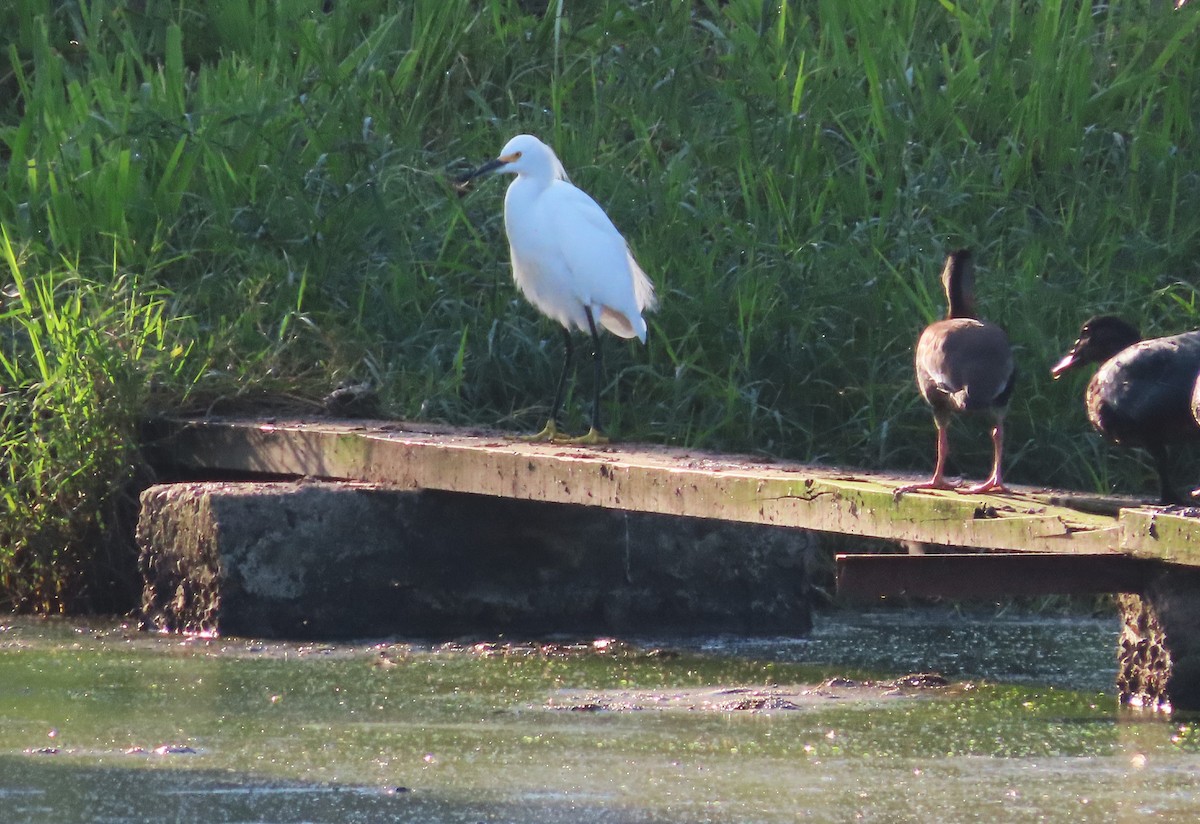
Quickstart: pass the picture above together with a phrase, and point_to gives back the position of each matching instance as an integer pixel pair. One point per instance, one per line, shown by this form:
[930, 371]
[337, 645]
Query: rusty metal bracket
[990, 574]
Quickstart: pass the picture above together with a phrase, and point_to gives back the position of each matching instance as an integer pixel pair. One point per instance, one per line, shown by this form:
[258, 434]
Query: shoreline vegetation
[242, 210]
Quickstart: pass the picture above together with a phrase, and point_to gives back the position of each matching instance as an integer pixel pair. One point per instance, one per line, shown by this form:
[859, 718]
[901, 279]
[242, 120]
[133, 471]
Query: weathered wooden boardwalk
[1031, 521]
[1030, 541]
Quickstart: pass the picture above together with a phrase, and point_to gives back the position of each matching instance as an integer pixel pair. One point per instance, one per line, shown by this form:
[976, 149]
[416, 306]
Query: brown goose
[964, 365]
[1142, 393]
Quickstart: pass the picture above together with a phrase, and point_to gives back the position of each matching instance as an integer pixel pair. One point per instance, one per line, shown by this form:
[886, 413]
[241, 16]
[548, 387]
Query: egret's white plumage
[566, 253]
[568, 258]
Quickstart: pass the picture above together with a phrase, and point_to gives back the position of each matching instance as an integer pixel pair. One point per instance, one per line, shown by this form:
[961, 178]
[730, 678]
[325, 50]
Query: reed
[76, 371]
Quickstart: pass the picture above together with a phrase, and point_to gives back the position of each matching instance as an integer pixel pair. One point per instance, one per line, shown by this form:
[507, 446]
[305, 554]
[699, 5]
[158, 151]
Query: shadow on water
[1065, 652]
[40, 791]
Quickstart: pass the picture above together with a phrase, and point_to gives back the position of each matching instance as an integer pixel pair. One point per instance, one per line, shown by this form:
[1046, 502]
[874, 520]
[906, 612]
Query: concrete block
[1159, 650]
[342, 560]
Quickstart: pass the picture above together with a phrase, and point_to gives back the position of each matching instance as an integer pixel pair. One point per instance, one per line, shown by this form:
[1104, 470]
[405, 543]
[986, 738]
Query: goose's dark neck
[958, 280]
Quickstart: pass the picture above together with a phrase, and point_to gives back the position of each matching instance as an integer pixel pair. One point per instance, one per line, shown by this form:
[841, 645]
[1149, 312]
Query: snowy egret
[1141, 395]
[568, 260]
[964, 365]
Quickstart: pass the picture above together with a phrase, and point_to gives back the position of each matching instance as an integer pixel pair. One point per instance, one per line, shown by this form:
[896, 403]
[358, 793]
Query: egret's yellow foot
[549, 434]
[594, 437]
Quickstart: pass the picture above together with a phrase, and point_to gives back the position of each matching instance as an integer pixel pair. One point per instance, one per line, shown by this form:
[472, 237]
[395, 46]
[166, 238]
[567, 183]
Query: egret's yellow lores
[569, 261]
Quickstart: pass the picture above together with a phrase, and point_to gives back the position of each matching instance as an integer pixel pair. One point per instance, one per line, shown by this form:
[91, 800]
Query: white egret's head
[523, 155]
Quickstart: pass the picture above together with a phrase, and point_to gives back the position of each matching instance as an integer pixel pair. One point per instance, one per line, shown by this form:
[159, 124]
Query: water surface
[99, 722]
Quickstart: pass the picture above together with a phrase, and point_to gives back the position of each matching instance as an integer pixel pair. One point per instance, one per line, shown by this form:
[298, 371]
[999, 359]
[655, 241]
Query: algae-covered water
[101, 723]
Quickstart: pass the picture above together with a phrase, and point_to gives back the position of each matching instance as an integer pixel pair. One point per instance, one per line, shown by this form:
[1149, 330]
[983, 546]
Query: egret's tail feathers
[643, 289]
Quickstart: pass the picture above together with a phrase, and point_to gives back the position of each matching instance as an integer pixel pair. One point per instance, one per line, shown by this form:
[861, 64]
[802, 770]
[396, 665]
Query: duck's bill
[1069, 360]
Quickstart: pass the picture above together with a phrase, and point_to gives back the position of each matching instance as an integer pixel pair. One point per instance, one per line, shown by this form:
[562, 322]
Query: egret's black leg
[568, 353]
[550, 430]
[597, 370]
[594, 435]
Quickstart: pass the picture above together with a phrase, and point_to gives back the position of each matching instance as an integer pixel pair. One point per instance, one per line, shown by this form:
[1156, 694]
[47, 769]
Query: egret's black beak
[464, 180]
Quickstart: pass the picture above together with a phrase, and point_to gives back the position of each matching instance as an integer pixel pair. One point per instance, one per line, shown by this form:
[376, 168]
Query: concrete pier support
[1159, 651]
[345, 560]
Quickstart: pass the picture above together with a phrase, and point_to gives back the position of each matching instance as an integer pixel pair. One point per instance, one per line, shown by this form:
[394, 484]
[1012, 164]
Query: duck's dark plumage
[1196, 400]
[964, 364]
[1196, 416]
[1141, 396]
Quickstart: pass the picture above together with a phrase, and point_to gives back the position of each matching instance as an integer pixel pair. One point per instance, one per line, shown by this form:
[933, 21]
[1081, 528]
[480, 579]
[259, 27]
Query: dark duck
[1196, 415]
[964, 365]
[1142, 393]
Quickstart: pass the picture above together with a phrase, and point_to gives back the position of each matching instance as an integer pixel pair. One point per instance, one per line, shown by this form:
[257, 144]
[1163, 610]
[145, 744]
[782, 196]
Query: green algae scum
[1019, 723]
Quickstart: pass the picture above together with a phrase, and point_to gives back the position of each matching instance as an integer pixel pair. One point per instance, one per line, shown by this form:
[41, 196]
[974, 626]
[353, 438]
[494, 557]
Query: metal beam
[990, 574]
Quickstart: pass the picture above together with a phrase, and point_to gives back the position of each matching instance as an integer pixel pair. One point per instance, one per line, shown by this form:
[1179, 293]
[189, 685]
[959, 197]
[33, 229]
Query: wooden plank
[635, 477]
[989, 574]
[1167, 533]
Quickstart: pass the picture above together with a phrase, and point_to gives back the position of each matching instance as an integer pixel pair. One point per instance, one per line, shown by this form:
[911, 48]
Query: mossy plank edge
[1150, 532]
[657, 479]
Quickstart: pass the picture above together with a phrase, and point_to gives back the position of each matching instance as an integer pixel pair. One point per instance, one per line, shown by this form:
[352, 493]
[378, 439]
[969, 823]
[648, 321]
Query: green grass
[790, 175]
[77, 370]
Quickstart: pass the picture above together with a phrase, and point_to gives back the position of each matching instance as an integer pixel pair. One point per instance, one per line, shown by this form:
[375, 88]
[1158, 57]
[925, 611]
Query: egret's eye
[516, 156]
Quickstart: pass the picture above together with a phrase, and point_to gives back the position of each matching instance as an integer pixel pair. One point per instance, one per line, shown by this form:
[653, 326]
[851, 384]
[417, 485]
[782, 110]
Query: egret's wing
[603, 270]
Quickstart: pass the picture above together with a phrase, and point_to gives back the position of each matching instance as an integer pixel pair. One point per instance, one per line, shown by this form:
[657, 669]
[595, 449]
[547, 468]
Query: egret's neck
[523, 191]
[530, 184]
